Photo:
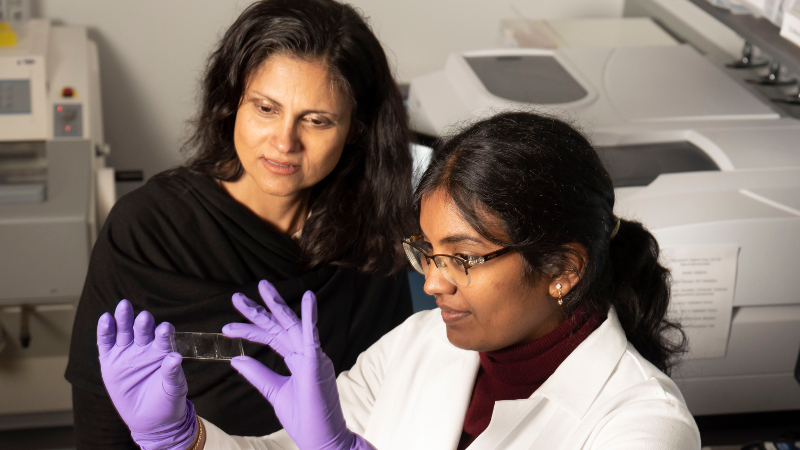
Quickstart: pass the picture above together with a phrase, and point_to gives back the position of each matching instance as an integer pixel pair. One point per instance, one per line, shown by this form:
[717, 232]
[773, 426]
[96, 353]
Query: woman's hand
[145, 380]
[307, 402]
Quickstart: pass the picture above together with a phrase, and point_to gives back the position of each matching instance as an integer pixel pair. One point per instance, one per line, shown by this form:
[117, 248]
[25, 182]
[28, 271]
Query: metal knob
[773, 78]
[747, 61]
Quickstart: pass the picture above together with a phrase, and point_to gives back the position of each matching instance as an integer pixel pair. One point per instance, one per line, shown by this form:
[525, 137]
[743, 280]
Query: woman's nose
[285, 138]
[436, 283]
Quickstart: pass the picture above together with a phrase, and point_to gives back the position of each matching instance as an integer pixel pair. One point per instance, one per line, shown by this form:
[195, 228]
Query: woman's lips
[280, 167]
[451, 316]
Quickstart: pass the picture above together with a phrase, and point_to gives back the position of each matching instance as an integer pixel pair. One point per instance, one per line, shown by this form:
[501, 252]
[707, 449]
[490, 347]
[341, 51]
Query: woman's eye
[457, 262]
[318, 121]
[265, 109]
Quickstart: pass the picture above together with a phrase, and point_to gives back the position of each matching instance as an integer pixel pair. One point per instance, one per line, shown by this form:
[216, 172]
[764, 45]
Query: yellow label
[7, 36]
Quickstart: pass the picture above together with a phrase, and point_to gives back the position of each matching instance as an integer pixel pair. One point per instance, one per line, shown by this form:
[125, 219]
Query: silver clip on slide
[206, 346]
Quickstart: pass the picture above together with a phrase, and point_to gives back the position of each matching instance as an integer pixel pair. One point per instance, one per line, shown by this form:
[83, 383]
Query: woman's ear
[576, 257]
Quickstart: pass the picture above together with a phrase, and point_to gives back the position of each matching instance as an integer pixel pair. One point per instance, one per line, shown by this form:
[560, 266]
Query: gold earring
[560, 300]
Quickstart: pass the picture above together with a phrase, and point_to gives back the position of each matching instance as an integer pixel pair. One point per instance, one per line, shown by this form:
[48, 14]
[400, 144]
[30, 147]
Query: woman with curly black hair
[300, 173]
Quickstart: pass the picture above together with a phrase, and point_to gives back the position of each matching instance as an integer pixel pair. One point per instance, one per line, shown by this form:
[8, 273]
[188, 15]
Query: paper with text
[703, 284]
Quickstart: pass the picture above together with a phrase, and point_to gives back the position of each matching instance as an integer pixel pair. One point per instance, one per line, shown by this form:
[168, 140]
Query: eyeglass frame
[467, 263]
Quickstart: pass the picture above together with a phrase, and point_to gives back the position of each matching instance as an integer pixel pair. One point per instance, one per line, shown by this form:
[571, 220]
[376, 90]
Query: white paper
[791, 24]
[703, 283]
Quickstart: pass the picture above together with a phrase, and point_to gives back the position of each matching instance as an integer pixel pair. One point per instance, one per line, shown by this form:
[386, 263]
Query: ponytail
[639, 290]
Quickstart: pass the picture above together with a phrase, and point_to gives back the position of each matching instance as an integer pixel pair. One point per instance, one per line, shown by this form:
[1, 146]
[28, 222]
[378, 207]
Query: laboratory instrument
[694, 155]
[55, 192]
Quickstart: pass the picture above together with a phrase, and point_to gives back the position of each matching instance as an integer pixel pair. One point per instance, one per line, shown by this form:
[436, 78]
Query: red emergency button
[67, 92]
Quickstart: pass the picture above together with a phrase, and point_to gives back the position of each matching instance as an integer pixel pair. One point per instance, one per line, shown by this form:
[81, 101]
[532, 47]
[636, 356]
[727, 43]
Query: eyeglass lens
[452, 268]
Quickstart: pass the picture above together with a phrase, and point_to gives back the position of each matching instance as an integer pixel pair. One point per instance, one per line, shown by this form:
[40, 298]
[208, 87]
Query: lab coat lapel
[445, 399]
[574, 387]
[506, 416]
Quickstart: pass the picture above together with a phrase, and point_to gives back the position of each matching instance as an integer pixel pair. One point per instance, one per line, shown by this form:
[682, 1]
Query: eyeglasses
[454, 268]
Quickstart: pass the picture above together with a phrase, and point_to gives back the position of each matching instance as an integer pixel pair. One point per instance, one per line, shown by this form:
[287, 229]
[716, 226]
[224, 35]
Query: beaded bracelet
[196, 446]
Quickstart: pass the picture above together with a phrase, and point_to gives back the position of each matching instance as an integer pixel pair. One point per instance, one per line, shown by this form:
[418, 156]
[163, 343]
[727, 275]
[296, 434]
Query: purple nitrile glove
[306, 403]
[145, 380]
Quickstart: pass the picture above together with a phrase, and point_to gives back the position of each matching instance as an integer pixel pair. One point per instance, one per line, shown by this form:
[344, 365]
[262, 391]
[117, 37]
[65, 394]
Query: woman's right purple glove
[307, 402]
[145, 380]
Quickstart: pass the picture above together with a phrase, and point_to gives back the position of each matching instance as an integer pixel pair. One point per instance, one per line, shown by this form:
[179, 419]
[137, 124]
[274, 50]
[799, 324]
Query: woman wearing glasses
[550, 333]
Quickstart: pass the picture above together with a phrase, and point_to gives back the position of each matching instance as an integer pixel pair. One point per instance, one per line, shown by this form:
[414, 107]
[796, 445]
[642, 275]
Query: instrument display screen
[15, 96]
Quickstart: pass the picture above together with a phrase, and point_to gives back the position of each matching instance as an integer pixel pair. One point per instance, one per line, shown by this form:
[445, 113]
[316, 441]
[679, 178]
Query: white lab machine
[696, 157]
[54, 193]
[583, 32]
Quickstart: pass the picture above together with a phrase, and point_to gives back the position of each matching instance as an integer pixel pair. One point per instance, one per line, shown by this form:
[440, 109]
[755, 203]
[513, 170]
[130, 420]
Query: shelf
[758, 31]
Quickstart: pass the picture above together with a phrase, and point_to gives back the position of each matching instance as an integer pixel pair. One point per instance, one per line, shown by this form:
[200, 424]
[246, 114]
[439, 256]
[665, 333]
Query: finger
[281, 340]
[245, 300]
[172, 378]
[254, 333]
[106, 333]
[241, 299]
[124, 318]
[255, 313]
[284, 315]
[310, 333]
[143, 328]
[164, 332]
[262, 378]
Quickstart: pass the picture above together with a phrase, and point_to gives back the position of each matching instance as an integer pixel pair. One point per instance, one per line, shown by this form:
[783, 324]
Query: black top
[179, 247]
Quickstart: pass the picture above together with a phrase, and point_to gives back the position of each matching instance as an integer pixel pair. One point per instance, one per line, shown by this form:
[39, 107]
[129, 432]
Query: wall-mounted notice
[703, 282]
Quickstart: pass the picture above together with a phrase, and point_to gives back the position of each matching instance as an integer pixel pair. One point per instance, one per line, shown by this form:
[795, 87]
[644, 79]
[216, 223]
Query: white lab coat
[411, 389]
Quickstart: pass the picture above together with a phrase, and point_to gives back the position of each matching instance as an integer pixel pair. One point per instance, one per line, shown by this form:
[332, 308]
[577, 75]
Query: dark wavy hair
[547, 186]
[362, 209]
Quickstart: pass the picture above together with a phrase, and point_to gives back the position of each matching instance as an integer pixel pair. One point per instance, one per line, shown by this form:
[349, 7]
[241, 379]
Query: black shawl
[179, 247]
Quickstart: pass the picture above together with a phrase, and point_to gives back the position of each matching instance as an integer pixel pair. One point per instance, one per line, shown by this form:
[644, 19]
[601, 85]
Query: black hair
[545, 184]
[361, 210]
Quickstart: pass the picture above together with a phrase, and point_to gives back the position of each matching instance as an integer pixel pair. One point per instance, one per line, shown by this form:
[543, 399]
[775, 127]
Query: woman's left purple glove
[145, 380]
[306, 403]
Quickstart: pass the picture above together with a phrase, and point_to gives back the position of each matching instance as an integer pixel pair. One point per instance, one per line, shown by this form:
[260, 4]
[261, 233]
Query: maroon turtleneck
[516, 372]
